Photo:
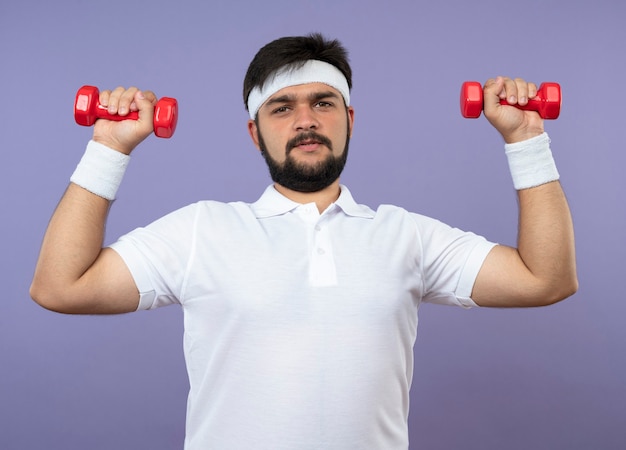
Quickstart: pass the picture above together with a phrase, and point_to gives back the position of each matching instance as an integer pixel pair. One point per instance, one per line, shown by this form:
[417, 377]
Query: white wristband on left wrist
[531, 162]
[100, 170]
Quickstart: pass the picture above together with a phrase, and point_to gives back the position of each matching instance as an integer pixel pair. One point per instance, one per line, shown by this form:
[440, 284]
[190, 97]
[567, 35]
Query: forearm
[545, 236]
[70, 246]
[546, 241]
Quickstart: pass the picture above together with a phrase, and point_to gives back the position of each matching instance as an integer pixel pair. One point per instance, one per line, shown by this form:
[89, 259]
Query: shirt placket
[322, 269]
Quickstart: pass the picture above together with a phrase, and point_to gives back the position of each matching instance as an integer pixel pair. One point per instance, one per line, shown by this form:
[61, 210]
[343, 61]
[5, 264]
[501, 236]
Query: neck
[323, 199]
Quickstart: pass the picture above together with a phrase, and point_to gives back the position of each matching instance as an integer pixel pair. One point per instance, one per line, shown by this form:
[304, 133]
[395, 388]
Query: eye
[323, 104]
[280, 109]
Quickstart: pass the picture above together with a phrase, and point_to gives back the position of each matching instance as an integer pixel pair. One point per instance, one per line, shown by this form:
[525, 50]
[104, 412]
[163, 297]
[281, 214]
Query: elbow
[573, 286]
[41, 296]
[560, 291]
[46, 297]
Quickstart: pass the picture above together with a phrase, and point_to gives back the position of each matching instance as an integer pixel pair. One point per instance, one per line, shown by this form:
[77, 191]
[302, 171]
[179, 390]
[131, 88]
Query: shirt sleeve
[157, 256]
[450, 261]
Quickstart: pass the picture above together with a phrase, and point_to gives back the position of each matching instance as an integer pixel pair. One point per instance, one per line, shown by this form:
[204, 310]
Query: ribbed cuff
[100, 170]
[531, 162]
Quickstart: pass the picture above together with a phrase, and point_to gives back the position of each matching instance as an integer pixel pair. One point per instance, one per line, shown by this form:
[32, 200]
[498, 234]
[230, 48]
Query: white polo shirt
[299, 327]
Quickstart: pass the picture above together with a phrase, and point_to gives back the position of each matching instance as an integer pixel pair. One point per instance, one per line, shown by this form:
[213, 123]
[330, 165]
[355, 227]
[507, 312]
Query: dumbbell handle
[87, 109]
[547, 102]
[103, 113]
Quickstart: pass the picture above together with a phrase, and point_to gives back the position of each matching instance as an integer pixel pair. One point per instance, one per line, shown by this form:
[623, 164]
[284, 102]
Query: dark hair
[294, 51]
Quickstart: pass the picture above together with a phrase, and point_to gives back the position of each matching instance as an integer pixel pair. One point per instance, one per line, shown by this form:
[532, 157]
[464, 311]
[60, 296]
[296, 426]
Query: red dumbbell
[87, 110]
[547, 102]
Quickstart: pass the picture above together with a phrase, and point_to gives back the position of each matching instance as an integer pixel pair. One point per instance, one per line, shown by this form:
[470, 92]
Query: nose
[305, 119]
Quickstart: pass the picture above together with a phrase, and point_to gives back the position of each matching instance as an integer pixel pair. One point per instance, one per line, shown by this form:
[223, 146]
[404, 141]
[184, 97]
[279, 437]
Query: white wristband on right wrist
[100, 170]
[531, 162]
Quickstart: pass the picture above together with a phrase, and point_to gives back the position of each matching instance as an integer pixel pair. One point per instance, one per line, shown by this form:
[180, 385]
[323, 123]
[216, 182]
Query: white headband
[313, 71]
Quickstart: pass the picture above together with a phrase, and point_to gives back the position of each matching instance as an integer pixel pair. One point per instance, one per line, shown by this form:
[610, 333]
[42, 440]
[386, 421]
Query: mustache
[308, 136]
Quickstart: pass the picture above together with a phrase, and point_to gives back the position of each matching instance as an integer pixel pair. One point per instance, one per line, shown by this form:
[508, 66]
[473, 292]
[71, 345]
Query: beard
[303, 177]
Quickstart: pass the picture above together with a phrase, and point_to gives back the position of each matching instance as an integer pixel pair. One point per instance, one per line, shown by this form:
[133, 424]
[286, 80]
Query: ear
[350, 120]
[253, 131]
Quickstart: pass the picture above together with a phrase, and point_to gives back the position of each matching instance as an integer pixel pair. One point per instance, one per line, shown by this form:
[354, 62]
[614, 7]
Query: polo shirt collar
[273, 203]
[352, 208]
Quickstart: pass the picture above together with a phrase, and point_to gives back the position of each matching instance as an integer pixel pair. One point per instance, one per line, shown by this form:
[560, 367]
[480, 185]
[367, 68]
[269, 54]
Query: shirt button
[317, 228]
[321, 251]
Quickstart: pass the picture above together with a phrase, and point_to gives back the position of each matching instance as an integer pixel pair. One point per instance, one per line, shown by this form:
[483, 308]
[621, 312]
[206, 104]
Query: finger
[144, 103]
[104, 98]
[140, 96]
[125, 100]
[114, 99]
[150, 97]
[493, 92]
[510, 88]
[522, 91]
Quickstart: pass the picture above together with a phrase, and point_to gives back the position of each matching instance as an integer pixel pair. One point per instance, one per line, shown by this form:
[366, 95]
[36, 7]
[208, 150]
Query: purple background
[548, 378]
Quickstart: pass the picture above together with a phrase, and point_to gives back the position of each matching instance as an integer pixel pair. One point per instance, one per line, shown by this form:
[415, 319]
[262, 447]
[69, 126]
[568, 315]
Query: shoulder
[429, 231]
[398, 214]
[207, 208]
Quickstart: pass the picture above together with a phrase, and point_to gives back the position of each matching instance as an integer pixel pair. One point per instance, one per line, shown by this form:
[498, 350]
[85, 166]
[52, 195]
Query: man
[300, 309]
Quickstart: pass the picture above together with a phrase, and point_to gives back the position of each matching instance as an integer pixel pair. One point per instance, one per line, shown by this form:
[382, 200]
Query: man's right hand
[125, 135]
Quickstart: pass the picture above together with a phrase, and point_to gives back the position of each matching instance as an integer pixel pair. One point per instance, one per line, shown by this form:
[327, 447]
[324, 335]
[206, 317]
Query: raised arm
[74, 274]
[542, 269]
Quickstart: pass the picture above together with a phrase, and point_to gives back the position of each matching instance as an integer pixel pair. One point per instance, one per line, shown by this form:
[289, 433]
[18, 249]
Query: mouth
[309, 143]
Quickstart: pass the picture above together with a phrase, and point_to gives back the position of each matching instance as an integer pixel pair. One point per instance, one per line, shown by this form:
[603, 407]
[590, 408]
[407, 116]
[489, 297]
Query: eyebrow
[313, 96]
